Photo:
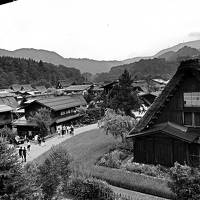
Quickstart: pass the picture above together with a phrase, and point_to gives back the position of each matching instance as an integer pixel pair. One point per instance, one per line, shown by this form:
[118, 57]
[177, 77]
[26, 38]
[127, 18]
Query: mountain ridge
[91, 65]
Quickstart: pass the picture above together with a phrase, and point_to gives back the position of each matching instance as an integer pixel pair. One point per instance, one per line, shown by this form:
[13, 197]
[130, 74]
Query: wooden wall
[173, 110]
[160, 149]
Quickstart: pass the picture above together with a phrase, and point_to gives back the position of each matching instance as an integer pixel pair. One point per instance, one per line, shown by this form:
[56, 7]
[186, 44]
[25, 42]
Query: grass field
[87, 147]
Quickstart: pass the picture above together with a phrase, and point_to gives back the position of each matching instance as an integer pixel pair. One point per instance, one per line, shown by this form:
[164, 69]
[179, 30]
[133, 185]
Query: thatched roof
[41, 88]
[64, 83]
[15, 87]
[185, 66]
[27, 87]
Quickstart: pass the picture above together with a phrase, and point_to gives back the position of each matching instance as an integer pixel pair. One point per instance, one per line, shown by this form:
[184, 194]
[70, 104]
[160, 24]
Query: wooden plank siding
[173, 109]
[160, 149]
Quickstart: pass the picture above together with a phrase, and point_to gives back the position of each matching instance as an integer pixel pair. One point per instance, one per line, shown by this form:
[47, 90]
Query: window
[188, 118]
[197, 119]
[192, 99]
[192, 118]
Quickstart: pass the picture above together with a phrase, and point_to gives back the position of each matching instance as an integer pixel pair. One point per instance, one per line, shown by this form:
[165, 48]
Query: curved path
[37, 150]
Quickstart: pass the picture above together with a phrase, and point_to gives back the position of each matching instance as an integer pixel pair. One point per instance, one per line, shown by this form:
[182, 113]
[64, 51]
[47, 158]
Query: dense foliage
[6, 134]
[14, 183]
[113, 159]
[24, 71]
[54, 172]
[43, 119]
[157, 68]
[122, 97]
[185, 182]
[116, 124]
[90, 189]
[91, 115]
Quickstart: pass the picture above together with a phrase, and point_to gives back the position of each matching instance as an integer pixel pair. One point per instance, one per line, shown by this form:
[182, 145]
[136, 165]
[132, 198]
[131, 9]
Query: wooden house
[41, 89]
[15, 87]
[5, 115]
[81, 89]
[27, 87]
[61, 84]
[170, 129]
[63, 111]
[109, 86]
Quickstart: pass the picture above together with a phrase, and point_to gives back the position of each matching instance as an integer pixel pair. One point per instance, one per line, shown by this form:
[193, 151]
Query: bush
[90, 189]
[150, 170]
[113, 159]
[92, 115]
[185, 182]
[54, 171]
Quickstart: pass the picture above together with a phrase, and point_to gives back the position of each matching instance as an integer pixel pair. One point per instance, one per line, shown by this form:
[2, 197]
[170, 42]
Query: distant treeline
[154, 68]
[28, 71]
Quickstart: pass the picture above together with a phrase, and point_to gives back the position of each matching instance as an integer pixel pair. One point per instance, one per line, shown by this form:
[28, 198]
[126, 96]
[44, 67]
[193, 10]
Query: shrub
[14, 184]
[150, 170]
[92, 115]
[90, 189]
[54, 171]
[112, 159]
[185, 182]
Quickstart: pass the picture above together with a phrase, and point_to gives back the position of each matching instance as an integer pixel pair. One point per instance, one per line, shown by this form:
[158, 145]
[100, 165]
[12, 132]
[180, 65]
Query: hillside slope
[23, 71]
[83, 64]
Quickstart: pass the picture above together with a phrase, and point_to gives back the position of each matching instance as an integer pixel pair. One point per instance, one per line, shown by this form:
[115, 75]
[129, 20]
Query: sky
[99, 29]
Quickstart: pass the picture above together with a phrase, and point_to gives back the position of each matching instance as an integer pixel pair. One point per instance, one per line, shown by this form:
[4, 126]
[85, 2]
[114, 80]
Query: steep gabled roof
[185, 66]
[27, 87]
[172, 129]
[65, 83]
[16, 87]
[9, 101]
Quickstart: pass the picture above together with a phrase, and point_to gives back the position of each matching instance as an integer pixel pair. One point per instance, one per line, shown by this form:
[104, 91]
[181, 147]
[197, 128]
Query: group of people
[62, 130]
[39, 139]
[22, 153]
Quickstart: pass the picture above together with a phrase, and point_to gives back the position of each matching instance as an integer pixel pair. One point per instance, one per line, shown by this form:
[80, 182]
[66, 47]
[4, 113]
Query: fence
[116, 196]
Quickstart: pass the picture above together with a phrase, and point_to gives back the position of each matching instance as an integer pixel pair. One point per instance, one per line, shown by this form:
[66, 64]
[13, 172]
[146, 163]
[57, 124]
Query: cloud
[194, 34]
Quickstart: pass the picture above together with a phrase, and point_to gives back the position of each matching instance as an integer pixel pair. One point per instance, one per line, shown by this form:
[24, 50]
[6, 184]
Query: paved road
[37, 150]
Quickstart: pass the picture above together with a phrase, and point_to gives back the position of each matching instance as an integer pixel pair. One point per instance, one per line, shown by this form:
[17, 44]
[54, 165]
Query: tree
[13, 182]
[122, 97]
[55, 172]
[116, 124]
[7, 134]
[43, 119]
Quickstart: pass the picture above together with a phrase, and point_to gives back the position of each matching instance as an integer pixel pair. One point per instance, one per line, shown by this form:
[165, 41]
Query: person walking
[28, 145]
[72, 130]
[43, 140]
[20, 153]
[24, 153]
[39, 140]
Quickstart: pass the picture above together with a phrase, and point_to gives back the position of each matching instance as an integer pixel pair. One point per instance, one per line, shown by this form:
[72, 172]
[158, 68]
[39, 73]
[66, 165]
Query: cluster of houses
[19, 102]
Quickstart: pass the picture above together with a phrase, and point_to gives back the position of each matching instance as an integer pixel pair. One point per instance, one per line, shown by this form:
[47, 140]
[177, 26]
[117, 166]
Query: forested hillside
[24, 71]
[156, 68]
